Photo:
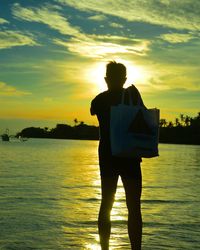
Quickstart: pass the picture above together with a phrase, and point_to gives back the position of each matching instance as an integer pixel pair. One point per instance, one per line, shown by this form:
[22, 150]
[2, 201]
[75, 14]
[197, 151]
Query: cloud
[102, 46]
[116, 25]
[176, 14]
[167, 76]
[177, 37]
[2, 21]
[97, 17]
[10, 39]
[6, 90]
[47, 100]
[80, 43]
[48, 15]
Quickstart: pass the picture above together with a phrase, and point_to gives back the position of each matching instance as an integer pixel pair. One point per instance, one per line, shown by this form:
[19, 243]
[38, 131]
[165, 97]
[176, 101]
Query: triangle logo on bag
[139, 125]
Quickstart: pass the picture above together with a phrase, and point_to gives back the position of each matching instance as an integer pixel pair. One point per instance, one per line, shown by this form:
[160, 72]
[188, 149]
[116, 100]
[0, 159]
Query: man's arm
[92, 108]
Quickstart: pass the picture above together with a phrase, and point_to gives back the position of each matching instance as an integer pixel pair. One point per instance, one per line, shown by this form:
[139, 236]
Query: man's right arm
[92, 108]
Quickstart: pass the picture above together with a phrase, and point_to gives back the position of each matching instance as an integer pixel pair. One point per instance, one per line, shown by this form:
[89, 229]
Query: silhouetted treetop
[184, 130]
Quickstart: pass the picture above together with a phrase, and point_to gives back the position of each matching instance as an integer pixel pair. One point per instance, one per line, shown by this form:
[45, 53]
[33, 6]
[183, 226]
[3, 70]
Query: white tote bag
[134, 130]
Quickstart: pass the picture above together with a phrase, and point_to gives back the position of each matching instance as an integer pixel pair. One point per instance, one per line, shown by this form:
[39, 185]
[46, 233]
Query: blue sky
[53, 56]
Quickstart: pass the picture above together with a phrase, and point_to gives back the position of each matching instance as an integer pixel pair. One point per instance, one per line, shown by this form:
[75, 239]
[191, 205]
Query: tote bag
[134, 130]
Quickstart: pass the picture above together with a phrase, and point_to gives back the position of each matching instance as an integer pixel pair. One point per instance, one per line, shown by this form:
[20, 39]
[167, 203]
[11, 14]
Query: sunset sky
[53, 55]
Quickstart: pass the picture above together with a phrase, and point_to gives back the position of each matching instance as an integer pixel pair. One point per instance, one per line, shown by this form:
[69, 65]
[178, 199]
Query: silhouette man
[111, 167]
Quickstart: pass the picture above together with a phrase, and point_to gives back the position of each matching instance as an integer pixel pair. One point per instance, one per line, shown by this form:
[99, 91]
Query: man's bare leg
[108, 190]
[133, 188]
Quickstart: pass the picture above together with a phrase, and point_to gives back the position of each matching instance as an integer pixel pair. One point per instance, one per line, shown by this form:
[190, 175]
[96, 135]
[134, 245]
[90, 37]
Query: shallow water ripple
[50, 196]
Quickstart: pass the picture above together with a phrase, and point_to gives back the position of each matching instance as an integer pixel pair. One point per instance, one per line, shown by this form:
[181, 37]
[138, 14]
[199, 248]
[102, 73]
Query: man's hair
[115, 70]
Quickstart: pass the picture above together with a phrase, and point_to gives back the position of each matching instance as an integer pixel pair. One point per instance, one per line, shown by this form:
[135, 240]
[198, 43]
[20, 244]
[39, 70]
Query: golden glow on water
[92, 247]
[61, 195]
[119, 211]
[115, 215]
[97, 182]
[97, 247]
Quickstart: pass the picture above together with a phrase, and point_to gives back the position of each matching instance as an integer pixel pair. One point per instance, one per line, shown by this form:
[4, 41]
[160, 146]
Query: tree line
[184, 130]
[182, 121]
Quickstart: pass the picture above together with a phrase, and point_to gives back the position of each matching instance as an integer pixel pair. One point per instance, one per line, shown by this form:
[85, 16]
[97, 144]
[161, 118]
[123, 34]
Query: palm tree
[163, 122]
[182, 119]
[170, 124]
[76, 121]
[177, 122]
[187, 120]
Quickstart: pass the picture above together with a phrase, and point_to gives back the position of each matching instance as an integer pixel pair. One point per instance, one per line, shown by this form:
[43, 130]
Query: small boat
[5, 136]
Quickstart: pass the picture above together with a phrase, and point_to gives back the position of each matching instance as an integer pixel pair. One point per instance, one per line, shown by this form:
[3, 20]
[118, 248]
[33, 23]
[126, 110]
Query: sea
[50, 196]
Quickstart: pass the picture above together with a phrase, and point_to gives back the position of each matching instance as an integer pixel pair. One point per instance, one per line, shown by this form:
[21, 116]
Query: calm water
[50, 195]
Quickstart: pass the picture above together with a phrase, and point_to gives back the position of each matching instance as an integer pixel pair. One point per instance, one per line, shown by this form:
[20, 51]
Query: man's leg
[133, 189]
[108, 190]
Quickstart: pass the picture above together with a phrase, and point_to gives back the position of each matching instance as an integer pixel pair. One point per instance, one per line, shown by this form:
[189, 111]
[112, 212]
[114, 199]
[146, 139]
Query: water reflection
[50, 192]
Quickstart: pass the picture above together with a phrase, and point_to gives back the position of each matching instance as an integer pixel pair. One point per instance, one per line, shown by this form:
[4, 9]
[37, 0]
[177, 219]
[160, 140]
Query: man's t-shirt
[101, 105]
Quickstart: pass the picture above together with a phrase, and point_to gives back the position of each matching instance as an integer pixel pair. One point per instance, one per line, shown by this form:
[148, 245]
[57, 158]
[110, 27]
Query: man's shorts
[111, 166]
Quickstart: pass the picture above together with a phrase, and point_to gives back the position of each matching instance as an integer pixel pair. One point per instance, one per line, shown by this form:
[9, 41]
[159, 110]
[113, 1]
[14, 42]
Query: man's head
[115, 75]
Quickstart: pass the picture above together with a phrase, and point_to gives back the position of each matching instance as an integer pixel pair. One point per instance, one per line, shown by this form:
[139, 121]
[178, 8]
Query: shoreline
[94, 139]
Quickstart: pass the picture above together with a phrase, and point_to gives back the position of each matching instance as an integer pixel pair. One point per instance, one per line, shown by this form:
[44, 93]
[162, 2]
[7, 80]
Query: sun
[96, 73]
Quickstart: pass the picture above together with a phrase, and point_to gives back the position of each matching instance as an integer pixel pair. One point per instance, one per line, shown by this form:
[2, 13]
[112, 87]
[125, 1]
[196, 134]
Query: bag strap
[139, 101]
[130, 97]
[123, 96]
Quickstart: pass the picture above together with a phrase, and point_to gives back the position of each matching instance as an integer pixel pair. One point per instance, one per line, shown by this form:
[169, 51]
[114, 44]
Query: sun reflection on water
[92, 247]
[59, 197]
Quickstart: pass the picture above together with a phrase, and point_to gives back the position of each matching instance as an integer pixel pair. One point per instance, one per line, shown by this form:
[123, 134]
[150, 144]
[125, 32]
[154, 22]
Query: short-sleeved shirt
[100, 106]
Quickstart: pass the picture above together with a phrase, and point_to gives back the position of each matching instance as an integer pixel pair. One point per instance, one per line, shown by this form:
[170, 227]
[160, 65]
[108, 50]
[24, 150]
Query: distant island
[185, 130]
